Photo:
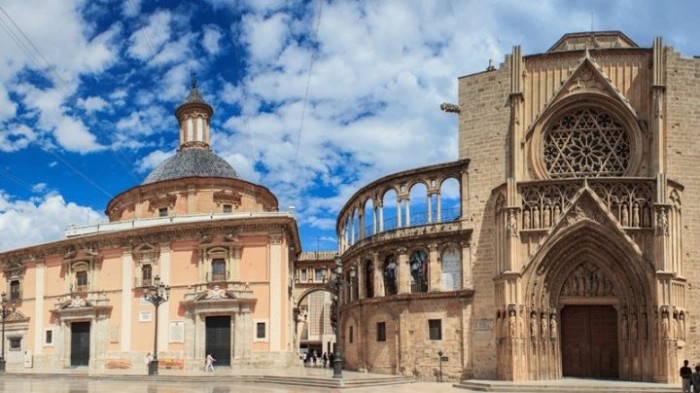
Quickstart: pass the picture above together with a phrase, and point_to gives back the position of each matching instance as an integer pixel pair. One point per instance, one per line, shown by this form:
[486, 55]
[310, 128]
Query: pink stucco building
[217, 240]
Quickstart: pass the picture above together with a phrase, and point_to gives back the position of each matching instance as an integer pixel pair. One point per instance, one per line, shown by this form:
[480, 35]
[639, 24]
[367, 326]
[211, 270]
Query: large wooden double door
[589, 342]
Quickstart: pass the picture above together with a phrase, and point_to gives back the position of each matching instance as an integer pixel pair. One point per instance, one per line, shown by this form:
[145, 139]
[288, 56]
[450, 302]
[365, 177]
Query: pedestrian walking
[325, 359]
[210, 363]
[314, 358]
[331, 358]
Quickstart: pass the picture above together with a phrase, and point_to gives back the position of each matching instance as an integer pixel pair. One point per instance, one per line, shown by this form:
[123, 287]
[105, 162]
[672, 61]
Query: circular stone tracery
[586, 143]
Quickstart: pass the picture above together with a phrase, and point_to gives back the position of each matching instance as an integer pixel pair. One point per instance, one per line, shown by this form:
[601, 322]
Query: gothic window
[369, 279]
[451, 269]
[587, 142]
[390, 275]
[419, 271]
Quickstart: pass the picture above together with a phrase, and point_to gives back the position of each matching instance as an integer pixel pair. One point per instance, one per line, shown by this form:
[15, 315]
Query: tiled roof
[191, 162]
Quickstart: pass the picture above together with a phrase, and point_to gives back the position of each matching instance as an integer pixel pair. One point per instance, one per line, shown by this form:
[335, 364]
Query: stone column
[39, 307]
[126, 299]
[434, 270]
[275, 266]
[403, 271]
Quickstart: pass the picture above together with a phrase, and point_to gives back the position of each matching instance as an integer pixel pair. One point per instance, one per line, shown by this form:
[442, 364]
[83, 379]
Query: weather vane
[194, 79]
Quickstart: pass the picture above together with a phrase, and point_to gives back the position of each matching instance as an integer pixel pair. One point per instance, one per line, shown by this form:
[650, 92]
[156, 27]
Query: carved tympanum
[587, 280]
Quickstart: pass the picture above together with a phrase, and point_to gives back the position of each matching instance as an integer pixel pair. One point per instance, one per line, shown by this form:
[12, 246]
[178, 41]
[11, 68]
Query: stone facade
[575, 230]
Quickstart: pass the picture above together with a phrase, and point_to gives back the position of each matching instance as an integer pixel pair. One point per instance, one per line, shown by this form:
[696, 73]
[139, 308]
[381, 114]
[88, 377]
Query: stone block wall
[483, 139]
[683, 160]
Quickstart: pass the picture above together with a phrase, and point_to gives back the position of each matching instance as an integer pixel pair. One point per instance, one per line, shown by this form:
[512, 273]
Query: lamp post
[156, 294]
[336, 284]
[5, 313]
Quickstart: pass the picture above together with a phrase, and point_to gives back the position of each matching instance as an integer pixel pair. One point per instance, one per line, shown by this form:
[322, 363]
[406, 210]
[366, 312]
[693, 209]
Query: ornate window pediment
[146, 258]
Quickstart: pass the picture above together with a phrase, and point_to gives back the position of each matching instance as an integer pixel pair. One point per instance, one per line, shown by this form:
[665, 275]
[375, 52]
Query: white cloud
[147, 41]
[153, 159]
[92, 104]
[39, 187]
[265, 36]
[19, 219]
[210, 39]
[16, 137]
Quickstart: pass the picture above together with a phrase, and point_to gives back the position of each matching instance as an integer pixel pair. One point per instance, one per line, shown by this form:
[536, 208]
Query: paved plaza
[294, 379]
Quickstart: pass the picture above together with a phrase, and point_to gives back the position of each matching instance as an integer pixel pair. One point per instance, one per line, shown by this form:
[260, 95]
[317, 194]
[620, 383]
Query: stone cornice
[159, 234]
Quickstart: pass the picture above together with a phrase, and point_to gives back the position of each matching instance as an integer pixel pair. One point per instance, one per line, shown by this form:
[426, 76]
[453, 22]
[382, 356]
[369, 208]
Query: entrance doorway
[218, 339]
[589, 344]
[80, 344]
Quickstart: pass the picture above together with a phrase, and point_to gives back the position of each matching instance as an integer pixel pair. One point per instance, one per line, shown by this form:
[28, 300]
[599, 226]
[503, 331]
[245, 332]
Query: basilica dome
[191, 163]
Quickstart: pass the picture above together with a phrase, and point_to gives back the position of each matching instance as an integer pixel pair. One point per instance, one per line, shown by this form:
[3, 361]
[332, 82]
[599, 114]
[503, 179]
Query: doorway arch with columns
[589, 299]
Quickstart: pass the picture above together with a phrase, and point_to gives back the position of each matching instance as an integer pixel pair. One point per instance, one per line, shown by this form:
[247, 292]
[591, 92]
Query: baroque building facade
[573, 252]
[218, 241]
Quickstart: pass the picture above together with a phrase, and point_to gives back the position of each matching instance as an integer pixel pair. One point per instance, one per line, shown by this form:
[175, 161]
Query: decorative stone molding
[160, 201]
[228, 196]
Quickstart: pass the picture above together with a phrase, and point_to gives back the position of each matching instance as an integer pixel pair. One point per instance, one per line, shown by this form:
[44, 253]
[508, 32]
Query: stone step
[578, 386]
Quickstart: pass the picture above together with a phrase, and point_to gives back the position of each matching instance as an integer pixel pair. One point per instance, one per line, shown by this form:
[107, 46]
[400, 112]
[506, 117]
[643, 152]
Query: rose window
[586, 143]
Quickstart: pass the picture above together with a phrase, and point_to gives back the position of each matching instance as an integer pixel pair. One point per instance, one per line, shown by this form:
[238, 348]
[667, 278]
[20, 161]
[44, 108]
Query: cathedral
[213, 248]
[573, 249]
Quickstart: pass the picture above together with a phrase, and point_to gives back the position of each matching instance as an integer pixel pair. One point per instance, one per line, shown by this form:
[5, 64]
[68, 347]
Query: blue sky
[312, 99]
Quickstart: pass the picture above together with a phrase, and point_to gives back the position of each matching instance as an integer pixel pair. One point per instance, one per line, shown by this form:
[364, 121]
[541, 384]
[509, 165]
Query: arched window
[369, 279]
[419, 271]
[451, 262]
[390, 275]
[587, 142]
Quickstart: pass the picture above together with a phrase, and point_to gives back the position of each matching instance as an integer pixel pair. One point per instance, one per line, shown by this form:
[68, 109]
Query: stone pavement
[295, 379]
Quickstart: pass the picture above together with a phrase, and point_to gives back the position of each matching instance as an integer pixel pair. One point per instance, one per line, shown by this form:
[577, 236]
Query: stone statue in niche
[662, 223]
[633, 327]
[553, 333]
[526, 219]
[533, 325]
[557, 213]
[512, 324]
[625, 219]
[624, 326]
[681, 326]
[544, 328]
[665, 324]
[536, 217]
[512, 223]
[635, 215]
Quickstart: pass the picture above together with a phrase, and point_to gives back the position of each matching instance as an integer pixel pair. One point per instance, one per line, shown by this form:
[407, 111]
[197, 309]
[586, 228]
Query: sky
[312, 99]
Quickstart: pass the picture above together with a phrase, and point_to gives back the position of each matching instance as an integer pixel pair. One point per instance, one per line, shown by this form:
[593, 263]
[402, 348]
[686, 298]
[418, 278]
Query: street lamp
[156, 294]
[336, 284]
[5, 313]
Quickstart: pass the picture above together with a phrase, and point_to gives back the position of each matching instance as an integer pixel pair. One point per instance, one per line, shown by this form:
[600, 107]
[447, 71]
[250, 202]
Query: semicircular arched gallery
[573, 258]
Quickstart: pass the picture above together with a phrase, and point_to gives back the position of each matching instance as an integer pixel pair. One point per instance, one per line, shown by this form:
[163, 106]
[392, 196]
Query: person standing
[325, 359]
[695, 378]
[686, 376]
[210, 363]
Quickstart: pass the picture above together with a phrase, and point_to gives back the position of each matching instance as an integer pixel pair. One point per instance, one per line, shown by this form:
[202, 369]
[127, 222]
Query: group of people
[312, 358]
[690, 379]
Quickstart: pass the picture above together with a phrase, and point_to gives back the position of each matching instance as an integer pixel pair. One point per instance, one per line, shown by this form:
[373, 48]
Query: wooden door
[218, 339]
[80, 344]
[589, 344]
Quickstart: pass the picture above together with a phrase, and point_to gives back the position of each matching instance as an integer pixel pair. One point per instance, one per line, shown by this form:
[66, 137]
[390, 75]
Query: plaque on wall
[177, 332]
[483, 325]
[144, 316]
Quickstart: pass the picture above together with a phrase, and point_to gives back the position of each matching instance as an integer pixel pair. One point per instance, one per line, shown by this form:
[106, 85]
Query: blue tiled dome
[191, 163]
